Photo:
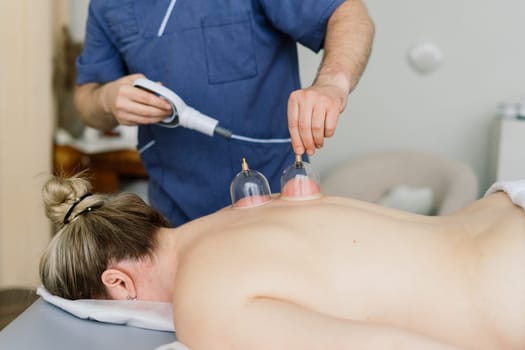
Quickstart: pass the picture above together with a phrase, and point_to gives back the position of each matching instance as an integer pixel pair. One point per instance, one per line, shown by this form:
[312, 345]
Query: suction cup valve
[300, 181]
[249, 188]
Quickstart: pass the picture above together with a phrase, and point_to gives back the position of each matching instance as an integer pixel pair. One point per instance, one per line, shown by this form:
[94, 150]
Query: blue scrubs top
[234, 60]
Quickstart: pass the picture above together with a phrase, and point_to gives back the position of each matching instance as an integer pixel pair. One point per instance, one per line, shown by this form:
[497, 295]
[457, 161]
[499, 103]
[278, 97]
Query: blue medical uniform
[234, 60]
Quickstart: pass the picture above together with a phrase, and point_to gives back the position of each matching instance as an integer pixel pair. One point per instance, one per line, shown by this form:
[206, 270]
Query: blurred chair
[371, 177]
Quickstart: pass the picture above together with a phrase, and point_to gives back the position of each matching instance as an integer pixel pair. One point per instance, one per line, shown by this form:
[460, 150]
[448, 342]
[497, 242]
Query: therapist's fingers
[332, 118]
[130, 105]
[318, 124]
[300, 122]
[293, 125]
[129, 119]
[305, 126]
[149, 99]
[308, 120]
[313, 114]
[137, 114]
[135, 106]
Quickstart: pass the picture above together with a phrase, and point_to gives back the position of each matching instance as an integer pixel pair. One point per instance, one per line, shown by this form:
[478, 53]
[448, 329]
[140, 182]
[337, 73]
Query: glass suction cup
[249, 188]
[300, 181]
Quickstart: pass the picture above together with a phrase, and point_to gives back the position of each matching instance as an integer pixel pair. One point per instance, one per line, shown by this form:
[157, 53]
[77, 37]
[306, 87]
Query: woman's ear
[119, 284]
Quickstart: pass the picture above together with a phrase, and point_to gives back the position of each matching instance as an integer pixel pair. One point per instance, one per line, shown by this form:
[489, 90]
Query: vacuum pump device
[188, 117]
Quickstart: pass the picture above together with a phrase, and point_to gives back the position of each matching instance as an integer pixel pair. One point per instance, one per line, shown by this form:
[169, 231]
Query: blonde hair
[102, 229]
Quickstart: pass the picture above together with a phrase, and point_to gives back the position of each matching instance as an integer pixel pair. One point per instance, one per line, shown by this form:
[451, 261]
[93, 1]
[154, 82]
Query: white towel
[514, 189]
[173, 346]
[135, 313]
[141, 314]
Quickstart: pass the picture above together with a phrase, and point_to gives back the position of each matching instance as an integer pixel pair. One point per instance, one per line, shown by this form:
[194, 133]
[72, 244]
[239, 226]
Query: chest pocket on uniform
[229, 45]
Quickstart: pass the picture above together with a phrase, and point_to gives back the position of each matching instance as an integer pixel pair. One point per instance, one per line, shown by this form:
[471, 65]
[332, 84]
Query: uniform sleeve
[303, 20]
[100, 60]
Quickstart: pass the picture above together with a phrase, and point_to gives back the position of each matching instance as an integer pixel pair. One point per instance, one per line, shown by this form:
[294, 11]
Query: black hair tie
[78, 200]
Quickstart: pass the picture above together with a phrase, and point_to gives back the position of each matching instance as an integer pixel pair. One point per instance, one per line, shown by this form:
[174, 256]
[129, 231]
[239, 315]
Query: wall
[26, 119]
[450, 112]
[77, 17]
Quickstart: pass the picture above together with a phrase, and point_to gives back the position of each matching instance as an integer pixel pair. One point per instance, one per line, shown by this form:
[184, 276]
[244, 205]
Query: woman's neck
[166, 261]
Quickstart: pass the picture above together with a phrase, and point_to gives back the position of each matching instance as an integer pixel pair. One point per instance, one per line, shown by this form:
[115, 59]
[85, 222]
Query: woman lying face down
[327, 273]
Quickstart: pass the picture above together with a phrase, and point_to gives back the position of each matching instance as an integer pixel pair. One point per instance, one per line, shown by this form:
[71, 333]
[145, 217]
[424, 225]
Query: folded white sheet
[514, 189]
[173, 346]
[135, 313]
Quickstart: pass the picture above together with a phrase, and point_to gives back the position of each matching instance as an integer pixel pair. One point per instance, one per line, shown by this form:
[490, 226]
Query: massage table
[45, 326]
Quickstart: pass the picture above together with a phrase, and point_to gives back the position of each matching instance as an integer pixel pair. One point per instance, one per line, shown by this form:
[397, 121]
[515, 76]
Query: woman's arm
[264, 323]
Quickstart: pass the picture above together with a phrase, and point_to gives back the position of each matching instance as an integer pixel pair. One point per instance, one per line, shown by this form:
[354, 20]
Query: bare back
[352, 260]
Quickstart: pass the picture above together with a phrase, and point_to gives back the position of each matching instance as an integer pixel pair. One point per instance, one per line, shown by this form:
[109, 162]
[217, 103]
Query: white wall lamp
[425, 58]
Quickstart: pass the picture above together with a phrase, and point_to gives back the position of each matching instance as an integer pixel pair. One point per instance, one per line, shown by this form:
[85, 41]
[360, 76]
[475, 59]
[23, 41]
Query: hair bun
[60, 193]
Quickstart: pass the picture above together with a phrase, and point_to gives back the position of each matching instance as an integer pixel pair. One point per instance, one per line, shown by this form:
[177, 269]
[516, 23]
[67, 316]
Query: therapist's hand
[313, 113]
[131, 105]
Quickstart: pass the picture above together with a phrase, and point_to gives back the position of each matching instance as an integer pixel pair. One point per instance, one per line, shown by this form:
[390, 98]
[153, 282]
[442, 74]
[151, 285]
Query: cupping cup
[300, 181]
[249, 188]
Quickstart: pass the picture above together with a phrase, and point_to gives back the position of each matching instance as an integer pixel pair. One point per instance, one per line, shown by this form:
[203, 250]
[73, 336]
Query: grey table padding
[45, 326]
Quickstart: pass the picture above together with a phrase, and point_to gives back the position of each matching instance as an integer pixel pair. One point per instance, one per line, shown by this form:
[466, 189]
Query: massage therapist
[235, 61]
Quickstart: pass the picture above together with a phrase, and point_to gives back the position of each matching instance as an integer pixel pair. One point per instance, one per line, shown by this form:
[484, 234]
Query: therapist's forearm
[348, 42]
[91, 107]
